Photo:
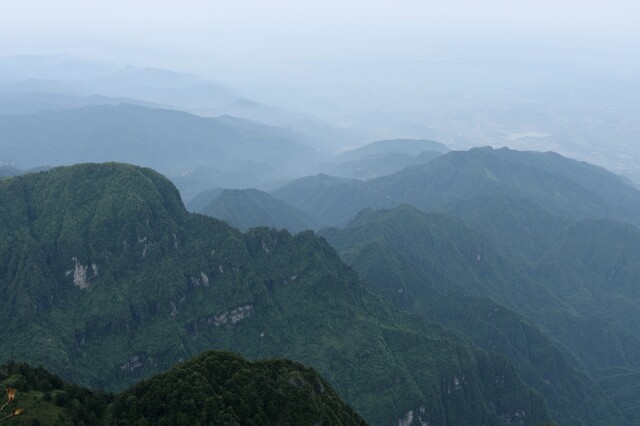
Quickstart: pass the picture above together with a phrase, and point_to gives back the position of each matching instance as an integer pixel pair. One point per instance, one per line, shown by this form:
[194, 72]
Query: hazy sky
[195, 31]
[483, 64]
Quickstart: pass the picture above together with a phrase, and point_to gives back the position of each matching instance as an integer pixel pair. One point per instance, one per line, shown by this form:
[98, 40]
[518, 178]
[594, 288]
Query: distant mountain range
[381, 158]
[31, 84]
[562, 186]
[149, 85]
[378, 148]
[174, 142]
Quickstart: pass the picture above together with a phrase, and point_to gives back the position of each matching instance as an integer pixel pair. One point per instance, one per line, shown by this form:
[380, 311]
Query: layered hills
[330, 200]
[434, 265]
[383, 157]
[109, 280]
[174, 142]
[557, 184]
[248, 208]
[538, 264]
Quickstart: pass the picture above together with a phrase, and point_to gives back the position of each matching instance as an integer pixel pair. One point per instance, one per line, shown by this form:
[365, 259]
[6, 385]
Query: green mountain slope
[588, 264]
[202, 199]
[47, 400]
[557, 184]
[213, 388]
[248, 208]
[8, 171]
[223, 388]
[429, 261]
[623, 384]
[377, 165]
[109, 280]
[484, 171]
[329, 200]
[414, 254]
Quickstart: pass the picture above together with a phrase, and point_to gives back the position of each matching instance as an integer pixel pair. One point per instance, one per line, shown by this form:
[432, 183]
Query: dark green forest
[487, 286]
[215, 388]
[109, 280]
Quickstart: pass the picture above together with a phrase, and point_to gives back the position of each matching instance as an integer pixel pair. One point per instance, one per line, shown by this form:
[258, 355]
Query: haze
[527, 74]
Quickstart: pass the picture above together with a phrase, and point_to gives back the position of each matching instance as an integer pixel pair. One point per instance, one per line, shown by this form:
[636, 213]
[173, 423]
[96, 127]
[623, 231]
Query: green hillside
[222, 388]
[109, 280]
[430, 263]
[45, 399]
[329, 200]
[377, 165]
[213, 388]
[589, 264]
[557, 184]
[248, 208]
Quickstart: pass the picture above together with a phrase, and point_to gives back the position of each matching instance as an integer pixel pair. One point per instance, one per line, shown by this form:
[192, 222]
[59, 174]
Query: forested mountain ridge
[212, 388]
[382, 157]
[330, 200]
[109, 280]
[560, 185]
[223, 388]
[389, 146]
[434, 264]
[248, 208]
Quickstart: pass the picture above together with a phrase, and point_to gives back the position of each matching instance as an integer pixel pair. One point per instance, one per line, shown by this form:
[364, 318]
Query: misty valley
[176, 252]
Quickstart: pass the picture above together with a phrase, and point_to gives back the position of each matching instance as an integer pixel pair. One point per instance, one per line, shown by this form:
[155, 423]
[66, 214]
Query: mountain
[200, 202]
[623, 385]
[588, 264]
[248, 208]
[48, 400]
[150, 85]
[377, 165]
[250, 174]
[9, 171]
[172, 141]
[431, 263]
[32, 102]
[327, 199]
[573, 397]
[322, 136]
[415, 255]
[382, 158]
[213, 388]
[108, 280]
[411, 147]
[223, 388]
[30, 84]
[18, 68]
[559, 185]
